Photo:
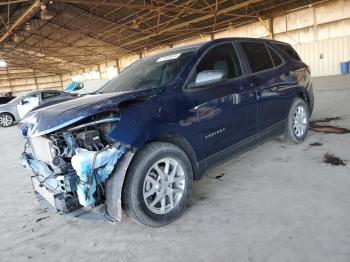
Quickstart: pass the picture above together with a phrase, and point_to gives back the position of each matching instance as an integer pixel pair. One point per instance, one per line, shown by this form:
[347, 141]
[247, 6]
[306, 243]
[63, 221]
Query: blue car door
[226, 110]
[267, 75]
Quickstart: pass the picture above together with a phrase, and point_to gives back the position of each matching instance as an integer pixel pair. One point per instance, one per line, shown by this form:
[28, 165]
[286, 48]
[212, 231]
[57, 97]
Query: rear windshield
[150, 72]
[289, 51]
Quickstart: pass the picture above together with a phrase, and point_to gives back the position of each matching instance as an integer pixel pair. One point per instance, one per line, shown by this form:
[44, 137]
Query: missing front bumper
[110, 211]
[70, 208]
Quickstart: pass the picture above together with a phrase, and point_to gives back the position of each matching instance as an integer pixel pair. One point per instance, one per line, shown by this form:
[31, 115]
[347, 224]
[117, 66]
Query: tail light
[74, 94]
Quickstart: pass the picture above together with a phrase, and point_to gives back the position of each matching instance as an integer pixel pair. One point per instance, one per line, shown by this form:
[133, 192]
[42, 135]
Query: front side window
[221, 58]
[23, 98]
[150, 72]
[29, 99]
[258, 57]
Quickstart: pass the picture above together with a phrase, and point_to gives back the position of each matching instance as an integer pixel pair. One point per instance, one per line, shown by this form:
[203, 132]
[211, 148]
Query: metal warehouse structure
[47, 43]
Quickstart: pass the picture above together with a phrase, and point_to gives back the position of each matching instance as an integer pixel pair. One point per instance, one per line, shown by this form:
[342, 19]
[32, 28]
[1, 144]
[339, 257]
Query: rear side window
[258, 57]
[222, 57]
[46, 95]
[275, 57]
[289, 51]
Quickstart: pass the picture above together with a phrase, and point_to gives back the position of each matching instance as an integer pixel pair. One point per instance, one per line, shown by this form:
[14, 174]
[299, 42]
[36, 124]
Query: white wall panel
[306, 35]
[125, 61]
[300, 19]
[289, 37]
[280, 24]
[334, 29]
[333, 50]
[257, 30]
[333, 11]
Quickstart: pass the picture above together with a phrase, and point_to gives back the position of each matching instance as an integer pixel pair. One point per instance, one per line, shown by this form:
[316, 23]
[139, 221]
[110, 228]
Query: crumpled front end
[71, 165]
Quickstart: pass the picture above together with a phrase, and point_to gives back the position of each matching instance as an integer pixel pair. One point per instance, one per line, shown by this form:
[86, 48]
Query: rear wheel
[158, 184]
[297, 122]
[6, 120]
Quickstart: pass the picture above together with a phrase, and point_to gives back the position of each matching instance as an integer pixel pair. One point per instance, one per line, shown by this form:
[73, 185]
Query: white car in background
[17, 108]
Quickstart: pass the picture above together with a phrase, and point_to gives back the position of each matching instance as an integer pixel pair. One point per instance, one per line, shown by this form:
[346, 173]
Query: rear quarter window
[276, 59]
[289, 51]
[46, 95]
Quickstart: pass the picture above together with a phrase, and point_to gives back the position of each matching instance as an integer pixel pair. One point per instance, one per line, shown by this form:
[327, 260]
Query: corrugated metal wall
[324, 56]
[21, 81]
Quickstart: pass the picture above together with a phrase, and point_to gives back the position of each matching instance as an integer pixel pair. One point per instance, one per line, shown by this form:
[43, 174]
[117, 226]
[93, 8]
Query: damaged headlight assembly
[71, 165]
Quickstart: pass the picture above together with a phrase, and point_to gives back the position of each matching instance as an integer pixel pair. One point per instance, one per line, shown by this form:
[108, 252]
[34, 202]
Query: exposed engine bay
[71, 165]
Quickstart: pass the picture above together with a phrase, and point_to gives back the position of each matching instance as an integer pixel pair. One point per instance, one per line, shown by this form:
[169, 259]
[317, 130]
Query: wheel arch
[184, 145]
[302, 94]
[9, 113]
[115, 184]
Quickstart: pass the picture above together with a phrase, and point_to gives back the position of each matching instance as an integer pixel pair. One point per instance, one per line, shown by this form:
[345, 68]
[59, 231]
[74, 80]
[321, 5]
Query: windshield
[17, 99]
[150, 72]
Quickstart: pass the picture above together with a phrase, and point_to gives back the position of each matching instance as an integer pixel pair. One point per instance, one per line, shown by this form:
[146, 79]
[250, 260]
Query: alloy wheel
[5, 120]
[164, 185]
[300, 121]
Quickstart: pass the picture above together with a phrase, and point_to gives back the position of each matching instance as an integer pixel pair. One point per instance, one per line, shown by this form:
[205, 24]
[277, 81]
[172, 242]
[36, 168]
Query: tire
[6, 120]
[140, 191]
[297, 125]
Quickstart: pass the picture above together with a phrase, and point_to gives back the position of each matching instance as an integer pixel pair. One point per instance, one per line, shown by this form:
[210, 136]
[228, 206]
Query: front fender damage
[79, 151]
[93, 169]
[114, 188]
[80, 169]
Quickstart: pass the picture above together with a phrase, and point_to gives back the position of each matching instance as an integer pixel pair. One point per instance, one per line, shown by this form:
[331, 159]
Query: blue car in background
[72, 86]
[85, 87]
[139, 142]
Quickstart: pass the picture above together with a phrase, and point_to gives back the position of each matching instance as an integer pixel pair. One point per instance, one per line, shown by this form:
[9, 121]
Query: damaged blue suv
[141, 140]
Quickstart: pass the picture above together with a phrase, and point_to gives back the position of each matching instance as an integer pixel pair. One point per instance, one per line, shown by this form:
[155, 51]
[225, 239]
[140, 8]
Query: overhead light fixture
[135, 24]
[27, 27]
[16, 38]
[45, 14]
[3, 63]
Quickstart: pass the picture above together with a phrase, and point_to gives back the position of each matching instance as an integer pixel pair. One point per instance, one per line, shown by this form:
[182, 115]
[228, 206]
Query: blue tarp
[71, 86]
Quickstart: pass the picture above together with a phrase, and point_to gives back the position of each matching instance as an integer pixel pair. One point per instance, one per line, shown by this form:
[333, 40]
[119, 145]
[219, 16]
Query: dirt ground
[275, 203]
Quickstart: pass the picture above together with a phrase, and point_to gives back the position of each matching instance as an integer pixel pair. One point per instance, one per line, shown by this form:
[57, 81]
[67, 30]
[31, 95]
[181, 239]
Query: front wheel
[297, 123]
[158, 184]
[6, 120]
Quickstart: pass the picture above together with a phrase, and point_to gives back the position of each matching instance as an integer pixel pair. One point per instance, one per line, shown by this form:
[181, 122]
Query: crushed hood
[55, 117]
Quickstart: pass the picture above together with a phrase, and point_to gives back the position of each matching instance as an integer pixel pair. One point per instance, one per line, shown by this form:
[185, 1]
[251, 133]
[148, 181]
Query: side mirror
[208, 77]
[23, 102]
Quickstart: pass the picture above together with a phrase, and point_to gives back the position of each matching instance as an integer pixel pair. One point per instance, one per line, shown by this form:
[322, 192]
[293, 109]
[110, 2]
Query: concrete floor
[276, 203]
